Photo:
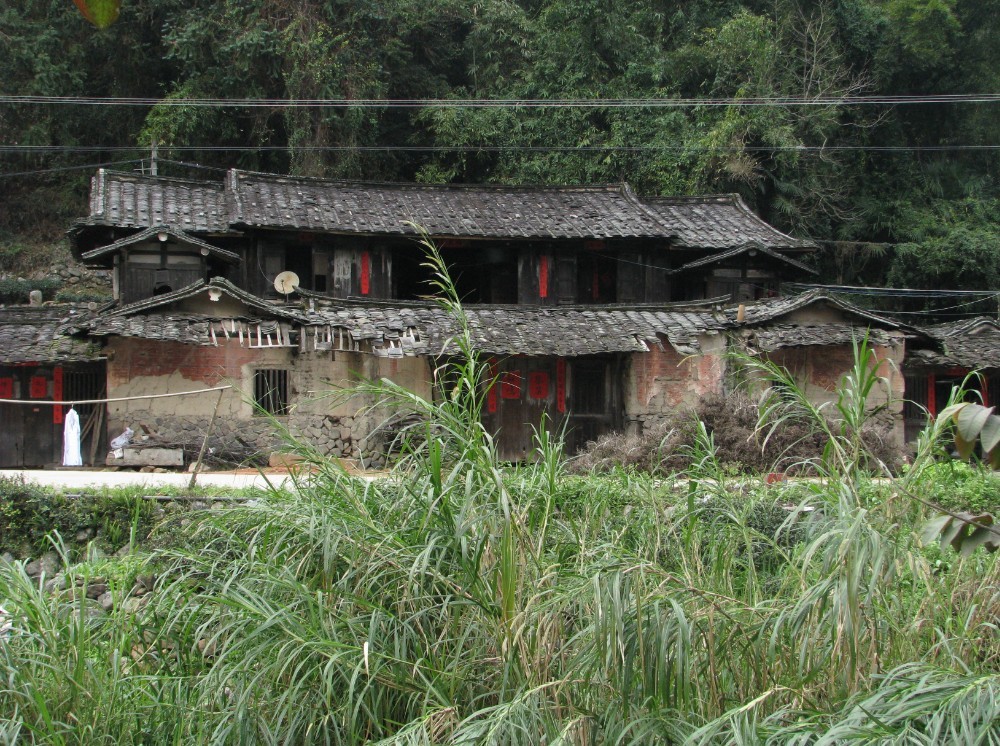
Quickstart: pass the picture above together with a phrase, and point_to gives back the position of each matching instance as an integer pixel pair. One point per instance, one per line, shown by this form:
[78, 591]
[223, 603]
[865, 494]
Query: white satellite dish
[286, 282]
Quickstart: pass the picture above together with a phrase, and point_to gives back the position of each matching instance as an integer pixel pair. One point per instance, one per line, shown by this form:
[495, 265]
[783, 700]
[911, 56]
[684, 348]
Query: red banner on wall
[538, 385]
[38, 388]
[561, 385]
[6, 388]
[543, 277]
[57, 394]
[366, 272]
[510, 385]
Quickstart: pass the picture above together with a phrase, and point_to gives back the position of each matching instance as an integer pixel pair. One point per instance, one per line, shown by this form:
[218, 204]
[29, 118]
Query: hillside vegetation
[879, 183]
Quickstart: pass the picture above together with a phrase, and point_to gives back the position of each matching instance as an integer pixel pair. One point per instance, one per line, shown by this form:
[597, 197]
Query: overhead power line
[509, 103]
[86, 166]
[44, 149]
[894, 292]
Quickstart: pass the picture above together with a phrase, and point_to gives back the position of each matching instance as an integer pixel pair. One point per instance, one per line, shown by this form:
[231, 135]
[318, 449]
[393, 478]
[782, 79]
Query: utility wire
[43, 149]
[895, 292]
[506, 103]
[87, 166]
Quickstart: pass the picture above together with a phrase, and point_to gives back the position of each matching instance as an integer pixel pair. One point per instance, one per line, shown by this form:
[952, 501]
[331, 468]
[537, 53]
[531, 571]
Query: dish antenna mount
[286, 282]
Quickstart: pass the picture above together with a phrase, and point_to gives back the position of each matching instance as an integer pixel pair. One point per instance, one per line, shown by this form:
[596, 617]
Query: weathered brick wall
[324, 412]
[820, 370]
[663, 382]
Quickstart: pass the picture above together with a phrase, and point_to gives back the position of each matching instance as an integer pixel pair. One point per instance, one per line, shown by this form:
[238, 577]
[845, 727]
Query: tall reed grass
[458, 602]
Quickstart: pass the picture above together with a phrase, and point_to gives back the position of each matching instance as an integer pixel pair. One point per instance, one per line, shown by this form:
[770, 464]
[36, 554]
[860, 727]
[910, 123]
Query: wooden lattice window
[270, 391]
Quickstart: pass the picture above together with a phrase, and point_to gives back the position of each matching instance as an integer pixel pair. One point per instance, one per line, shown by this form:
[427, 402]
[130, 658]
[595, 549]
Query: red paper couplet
[543, 277]
[38, 388]
[6, 388]
[561, 385]
[57, 394]
[538, 384]
[510, 385]
[366, 272]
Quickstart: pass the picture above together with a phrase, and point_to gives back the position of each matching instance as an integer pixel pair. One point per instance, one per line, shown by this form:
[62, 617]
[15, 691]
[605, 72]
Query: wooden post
[204, 443]
[95, 435]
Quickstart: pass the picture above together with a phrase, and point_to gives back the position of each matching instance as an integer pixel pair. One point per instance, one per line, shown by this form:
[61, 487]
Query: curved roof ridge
[417, 185]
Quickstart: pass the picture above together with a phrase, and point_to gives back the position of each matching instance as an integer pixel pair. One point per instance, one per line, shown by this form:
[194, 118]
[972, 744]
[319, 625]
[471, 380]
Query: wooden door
[526, 388]
[28, 437]
[31, 435]
[594, 400]
[583, 393]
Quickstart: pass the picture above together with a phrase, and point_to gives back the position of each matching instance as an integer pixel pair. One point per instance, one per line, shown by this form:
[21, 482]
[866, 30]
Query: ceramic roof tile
[137, 201]
[42, 334]
[267, 200]
[970, 343]
[718, 222]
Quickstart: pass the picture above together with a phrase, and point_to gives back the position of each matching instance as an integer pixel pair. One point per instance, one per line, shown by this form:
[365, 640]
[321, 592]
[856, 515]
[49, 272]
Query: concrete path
[70, 480]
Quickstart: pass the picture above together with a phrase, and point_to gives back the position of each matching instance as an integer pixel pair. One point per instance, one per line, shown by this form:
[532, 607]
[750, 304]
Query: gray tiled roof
[506, 330]
[150, 233]
[266, 200]
[747, 248]
[971, 343]
[199, 286]
[718, 222]
[764, 311]
[40, 334]
[426, 328]
[777, 336]
[473, 211]
[136, 201]
[174, 327]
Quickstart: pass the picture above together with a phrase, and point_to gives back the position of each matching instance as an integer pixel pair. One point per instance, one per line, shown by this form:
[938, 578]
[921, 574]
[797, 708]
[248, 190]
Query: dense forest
[794, 104]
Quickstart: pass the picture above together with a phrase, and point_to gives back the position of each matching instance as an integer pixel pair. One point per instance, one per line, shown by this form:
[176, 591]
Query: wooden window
[270, 391]
[321, 270]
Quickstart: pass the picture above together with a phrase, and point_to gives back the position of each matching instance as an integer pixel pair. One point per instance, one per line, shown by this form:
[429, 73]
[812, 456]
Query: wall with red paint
[661, 382]
[819, 371]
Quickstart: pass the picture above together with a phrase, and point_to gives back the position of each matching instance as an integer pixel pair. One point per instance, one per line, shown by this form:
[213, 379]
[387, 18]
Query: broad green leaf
[963, 446]
[949, 413]
[954, 533]
[971, 419]
[101, 13]
[994, 457]
[990, 435]
[934, 528]
[982, 536]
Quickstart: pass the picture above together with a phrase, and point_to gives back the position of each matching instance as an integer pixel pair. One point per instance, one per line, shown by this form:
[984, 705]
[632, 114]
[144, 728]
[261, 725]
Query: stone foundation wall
[253, 441]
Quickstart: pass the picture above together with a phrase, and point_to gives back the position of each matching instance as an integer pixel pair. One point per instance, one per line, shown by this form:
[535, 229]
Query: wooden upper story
[538, 246]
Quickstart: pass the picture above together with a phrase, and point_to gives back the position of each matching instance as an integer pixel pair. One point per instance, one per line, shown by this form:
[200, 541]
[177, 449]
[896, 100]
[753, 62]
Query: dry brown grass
[740, 442]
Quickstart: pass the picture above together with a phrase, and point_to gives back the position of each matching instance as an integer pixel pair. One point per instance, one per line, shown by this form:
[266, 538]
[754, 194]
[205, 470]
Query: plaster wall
[323, 411]
[663, 381]
[820, 369]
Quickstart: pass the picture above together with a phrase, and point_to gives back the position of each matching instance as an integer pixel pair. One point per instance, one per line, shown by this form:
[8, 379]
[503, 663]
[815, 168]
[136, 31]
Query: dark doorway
[33, 432]
[581, 394]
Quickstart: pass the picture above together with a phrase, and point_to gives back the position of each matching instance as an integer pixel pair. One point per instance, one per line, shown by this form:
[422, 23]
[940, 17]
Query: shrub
[740, 442]
[29, 513]
[16, 291]
[959, 486]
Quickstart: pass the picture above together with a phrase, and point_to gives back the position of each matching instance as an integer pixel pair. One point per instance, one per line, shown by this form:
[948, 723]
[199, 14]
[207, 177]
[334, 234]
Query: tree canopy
[774, 100]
